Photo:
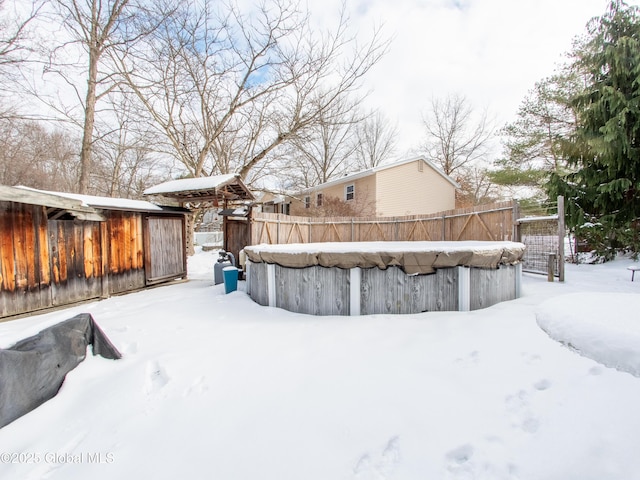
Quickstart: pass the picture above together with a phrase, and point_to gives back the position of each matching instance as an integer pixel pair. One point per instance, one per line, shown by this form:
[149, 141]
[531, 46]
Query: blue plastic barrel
[230, 276]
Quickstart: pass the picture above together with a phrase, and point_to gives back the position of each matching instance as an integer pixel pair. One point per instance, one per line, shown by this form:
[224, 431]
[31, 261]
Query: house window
[319, 200]
[307, 202]
[350, 192]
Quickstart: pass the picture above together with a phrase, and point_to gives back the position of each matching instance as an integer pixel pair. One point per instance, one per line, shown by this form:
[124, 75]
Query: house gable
[412, 188]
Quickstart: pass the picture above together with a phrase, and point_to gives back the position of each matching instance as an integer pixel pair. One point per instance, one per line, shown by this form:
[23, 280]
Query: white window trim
[353, 192]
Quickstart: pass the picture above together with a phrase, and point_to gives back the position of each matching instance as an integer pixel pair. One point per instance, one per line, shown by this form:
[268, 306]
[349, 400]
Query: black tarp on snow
[32, 370]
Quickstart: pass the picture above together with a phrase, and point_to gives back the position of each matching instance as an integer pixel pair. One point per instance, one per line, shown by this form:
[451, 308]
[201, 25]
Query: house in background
[273, 203]
[407, 187]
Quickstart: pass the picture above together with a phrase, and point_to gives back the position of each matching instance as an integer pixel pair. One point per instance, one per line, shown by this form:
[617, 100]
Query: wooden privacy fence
[493, 222]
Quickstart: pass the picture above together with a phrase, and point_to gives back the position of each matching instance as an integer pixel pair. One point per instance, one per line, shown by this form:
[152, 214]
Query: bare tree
[226, 89]
[15, 41]
[32, 156]
[16, 48]
[456, 138]
[376, 140]
[476, 187]
[126, 161]
[96, 25]
[94, 28]
[326, 149]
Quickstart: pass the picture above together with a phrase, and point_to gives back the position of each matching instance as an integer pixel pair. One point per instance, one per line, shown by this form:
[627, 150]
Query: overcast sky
[490, 51]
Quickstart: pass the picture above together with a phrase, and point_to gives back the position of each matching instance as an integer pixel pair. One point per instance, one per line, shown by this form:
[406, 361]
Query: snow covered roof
[102, 202]
[57, 206]
[216, 187]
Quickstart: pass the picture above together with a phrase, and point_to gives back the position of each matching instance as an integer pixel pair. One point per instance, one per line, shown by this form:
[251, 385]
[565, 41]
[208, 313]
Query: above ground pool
[363, 278]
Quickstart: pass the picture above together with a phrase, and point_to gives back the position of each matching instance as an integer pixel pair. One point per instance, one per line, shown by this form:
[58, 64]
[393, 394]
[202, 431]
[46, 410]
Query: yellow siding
[405, 190]
[365, 194]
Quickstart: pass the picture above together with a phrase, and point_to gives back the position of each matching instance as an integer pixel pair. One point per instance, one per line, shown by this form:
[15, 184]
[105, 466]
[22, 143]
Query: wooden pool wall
[317, 290]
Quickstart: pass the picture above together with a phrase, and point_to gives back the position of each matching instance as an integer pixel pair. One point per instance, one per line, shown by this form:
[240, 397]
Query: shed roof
[56, 205]
[214, 188]
[82, 207]
[106, 203]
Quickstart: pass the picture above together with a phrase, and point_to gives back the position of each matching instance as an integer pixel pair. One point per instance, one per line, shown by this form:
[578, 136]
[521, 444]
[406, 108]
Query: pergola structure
[218, 191]
[203, 192]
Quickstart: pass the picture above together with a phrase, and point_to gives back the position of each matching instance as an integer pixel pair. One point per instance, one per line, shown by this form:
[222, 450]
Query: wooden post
[551, 266]
[516, 224]
[561, 235]
[444, 229]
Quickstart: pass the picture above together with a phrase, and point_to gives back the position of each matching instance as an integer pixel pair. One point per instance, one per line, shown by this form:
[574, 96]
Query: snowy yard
[213, 386]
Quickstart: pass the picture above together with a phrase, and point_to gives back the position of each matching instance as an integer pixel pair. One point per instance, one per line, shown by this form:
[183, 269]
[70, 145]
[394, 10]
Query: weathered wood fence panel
[257, 282]
[125, 257]
[165, 249]
[49, 262]
[327, 297]
[391, 291]
[76, 269]
[491, 222]
[490, 286]
[319, 290]
[24, 258]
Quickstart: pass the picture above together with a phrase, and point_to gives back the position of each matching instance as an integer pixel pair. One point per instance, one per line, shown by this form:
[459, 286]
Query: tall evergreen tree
[603, 185]
[533, 142]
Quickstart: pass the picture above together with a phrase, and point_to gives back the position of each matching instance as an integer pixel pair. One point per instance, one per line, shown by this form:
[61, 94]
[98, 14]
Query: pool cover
[413, 257]
[33, 370]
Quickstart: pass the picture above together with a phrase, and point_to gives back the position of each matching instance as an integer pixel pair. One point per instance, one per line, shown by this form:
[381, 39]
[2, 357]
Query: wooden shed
[59, 248]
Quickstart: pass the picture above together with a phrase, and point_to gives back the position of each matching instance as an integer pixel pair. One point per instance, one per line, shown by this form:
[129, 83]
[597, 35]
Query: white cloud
[491, 51]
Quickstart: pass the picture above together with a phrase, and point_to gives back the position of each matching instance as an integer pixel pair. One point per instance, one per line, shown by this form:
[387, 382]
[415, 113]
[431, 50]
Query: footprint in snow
[379, 466]
[464, 463]
[156, 378]
[543, 384]
[518, 406]
[460, 455]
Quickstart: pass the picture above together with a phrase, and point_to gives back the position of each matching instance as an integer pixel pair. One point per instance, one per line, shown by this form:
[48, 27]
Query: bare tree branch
[227, 90]
[455, 138]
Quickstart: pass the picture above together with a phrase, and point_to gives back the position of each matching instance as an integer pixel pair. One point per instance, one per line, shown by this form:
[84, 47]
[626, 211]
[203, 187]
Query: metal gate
[544, 237]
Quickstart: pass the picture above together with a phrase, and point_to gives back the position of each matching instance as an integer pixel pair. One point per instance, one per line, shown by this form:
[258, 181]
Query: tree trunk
[89, 121]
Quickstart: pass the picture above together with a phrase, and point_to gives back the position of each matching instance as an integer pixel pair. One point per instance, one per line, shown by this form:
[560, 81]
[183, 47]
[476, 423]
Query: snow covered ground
[213, 386]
